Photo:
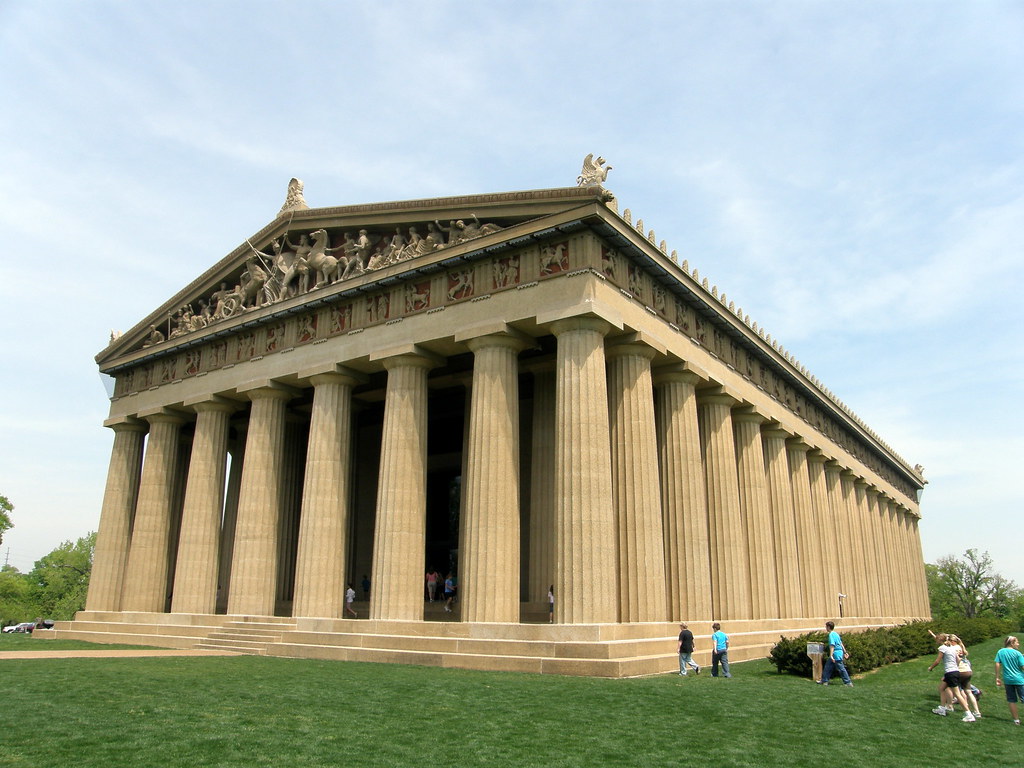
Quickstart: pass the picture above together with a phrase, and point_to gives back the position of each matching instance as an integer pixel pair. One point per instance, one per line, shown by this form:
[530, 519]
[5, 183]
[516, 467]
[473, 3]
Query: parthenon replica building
[524, 389]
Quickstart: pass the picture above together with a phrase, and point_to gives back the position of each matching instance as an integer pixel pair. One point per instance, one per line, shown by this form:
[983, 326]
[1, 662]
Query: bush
[875, 648]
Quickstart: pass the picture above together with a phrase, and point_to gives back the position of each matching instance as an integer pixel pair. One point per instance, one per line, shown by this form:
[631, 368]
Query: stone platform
[591, 650]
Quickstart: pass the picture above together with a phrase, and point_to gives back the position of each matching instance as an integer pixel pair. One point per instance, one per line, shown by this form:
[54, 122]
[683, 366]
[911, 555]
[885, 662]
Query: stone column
[145, 584]
[236, 451]
[489, 564]
[888, 568]
[757, 513]
[872, 569]
[114, 534]
[321, 568]
[824, 522]
[400, 531]
[780, 491]
[858, 598]
[809, 545]
[730, 579]
[586, 583]
[635, 484]
[683, 497]
[900, 556]
[840, 532]
[923, 608]
[195, 577]
[254, 560]
[542, 487]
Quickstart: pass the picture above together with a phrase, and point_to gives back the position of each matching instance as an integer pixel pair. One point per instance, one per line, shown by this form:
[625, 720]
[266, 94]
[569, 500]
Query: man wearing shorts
[1010, 674]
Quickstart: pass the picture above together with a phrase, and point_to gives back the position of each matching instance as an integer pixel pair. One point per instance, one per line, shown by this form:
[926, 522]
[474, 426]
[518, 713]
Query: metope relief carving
[341, 319]
[460, 284]
[297, 263]
[378, 308]
[417, 296]
[554, 259]
[505, 272]
[306, 328]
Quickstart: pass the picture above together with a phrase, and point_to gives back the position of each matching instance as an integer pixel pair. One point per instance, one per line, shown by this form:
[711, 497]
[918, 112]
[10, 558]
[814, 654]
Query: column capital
[212, 403]
[796, 443]
[125, 424]
[266, 390]
[581, 323]
[615, 349]
[410, 360]
[747, 414]
[346, 378]
[509, 340]
[774, 430]
[163, 416]
[716, 396]
[816, 456]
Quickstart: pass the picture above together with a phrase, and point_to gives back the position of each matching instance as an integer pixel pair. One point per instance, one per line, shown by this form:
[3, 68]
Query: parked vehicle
[25, 626]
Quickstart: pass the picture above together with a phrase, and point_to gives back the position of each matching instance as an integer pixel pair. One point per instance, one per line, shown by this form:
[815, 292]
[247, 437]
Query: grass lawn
[253, 711]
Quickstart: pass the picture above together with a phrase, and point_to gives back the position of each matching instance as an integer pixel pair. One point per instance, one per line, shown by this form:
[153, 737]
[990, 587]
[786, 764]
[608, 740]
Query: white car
[25, 626]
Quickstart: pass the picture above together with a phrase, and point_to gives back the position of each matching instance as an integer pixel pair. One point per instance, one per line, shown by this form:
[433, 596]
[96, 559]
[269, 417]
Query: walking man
[836, 656]
[719, 651]
[685, 651]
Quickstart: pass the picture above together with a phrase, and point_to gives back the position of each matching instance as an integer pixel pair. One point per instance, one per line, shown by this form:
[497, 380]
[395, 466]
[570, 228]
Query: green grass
[18, 641]
[252, 711]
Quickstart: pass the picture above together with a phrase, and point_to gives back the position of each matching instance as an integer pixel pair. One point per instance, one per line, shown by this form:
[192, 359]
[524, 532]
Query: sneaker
[818, 682]
[848, 685]
[696, 670]
[976, 715]
[939, 711]
[682, 674]
[968, 718]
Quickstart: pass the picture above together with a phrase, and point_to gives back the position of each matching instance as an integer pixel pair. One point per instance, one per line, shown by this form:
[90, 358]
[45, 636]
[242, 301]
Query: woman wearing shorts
[949, 657]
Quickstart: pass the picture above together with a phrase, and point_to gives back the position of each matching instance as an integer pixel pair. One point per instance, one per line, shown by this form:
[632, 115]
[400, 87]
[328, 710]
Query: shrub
[875, 648]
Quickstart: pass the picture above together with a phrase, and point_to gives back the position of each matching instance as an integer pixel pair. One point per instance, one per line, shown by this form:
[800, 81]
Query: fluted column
[780, 491]
[900, 556]
[114, 533]
[321, 567]
[840, 532]
[826, 530]
[586, 584]
[757, 514]
[858, 599]
[809, 544]
[683, 497]
[730, 580]
[145, 586]
[635, 484]
[888, 567]
[236, 452]
[489, 566]
[870, 553]
[923, 607]
[254, 561]
[195, 577]
[542, 486]
[400, 530]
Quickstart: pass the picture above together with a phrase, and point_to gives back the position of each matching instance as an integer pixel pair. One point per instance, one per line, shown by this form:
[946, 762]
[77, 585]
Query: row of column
[650, 500]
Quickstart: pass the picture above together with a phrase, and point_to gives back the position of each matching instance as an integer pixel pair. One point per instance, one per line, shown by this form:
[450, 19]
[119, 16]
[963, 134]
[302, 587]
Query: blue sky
[851, 174]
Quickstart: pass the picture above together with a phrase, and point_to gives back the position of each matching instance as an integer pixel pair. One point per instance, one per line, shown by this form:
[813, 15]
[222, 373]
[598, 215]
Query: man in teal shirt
[1010, 674]
[836, 655]
[719, 651]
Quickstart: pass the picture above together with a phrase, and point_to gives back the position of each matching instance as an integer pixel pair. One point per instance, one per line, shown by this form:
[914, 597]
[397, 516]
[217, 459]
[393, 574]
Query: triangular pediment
[307, 254]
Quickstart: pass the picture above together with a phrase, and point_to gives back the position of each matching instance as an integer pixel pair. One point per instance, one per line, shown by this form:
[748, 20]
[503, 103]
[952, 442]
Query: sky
[851, 174]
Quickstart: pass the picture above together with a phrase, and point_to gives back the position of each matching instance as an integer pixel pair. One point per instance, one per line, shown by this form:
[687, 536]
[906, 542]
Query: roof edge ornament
[293, 200]
[594, 174]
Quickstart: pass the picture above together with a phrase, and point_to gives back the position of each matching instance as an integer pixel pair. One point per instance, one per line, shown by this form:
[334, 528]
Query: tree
[5, 516]
[60, 580]
[16, 603]
[969, 587]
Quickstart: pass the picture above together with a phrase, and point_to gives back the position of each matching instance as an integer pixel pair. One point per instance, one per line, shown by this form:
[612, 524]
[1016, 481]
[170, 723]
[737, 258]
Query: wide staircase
[594, 650]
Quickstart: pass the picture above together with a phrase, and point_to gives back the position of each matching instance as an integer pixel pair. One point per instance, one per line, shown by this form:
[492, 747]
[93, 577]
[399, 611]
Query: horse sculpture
[320, 260]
